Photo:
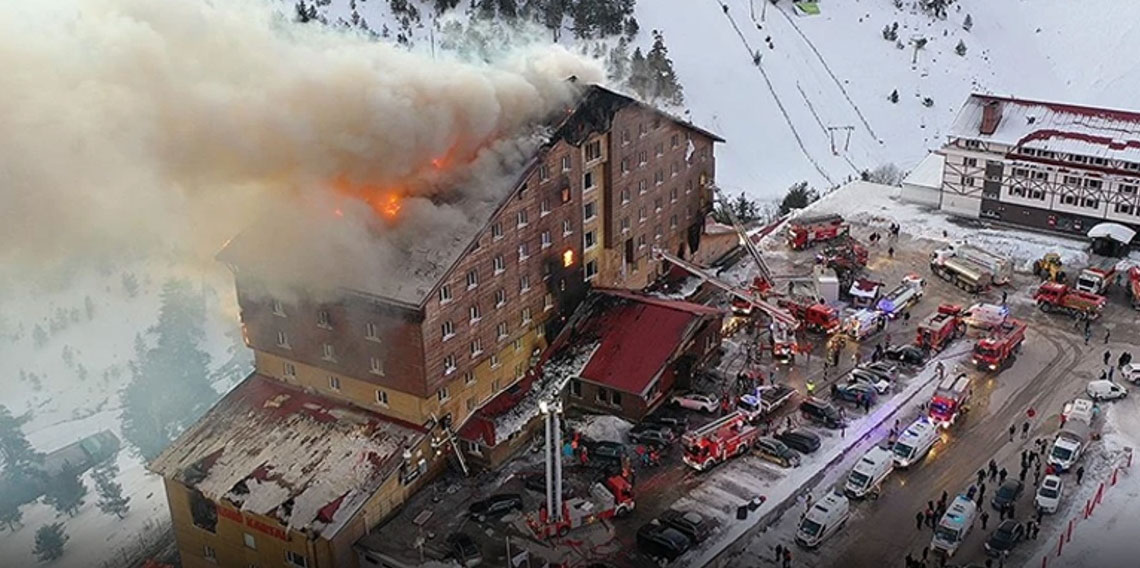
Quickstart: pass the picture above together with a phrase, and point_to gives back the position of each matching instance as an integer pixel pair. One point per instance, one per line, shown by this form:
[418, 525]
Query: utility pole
[846, 144]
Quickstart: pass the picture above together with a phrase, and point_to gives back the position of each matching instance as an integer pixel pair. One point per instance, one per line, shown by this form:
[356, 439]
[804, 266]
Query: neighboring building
[923, 185]
[464, 315]
[1044, 165]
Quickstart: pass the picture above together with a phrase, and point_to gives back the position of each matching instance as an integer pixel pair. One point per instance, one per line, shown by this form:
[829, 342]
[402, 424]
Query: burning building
[377, 376]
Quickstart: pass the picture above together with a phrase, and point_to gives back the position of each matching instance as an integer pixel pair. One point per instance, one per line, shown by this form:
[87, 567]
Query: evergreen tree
[442, 6]
[631, 28]
[961, 48]
[66, 491]
[639, 74]
[16, 454]
[894, 96]
[169, 387]
[302, 12]
[39, 336]
[111, 499]
[10, 515]
[485, 9]
[49, 542]
[798, 197]
[968, 23]
[509, 9]
[553, 13]
[663, 80]
[617, 64]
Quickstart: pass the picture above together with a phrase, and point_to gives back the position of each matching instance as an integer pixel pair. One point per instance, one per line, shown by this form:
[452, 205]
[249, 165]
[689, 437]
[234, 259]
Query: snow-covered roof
[1055, 127]
[1114, 231]
[271, 449]
[555, 373]
[928, 172]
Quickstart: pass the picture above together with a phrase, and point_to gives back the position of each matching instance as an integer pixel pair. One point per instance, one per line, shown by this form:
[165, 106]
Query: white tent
[1114, 231]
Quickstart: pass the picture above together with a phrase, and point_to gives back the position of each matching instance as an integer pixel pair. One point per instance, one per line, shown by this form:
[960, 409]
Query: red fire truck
[1058, 297]
[612, 498]
[804, 232]
[1134, 286]
[940, 328]
[950, 399]
[813, 315]
[996, 349]
[717, 441]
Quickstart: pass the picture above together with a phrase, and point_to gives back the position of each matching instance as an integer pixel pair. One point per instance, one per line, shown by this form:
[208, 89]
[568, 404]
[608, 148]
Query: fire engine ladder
[778, 314]
[757, 258]
[450, 439]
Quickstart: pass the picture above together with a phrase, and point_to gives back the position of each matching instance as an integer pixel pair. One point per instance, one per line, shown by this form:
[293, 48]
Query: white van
[1069, 445]
[1105, 390]
[869, 473]
[915, 442]
[954, 525]
[824, 518]
[1081, 410]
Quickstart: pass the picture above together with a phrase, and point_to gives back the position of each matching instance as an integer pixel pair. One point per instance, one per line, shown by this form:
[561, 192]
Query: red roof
[638, 339]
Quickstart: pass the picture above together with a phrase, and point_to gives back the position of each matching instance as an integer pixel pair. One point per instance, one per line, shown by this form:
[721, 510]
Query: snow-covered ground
[65, 407]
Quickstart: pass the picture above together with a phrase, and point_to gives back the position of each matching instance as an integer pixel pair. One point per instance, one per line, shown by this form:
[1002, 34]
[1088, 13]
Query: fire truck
[950, 400]
[717, 441]
[995, 350]
[961, 272]
[899, 300]
[999, 267]
[846, 257]
[1134, 286]
[814, 316]
[1096, 279]
[940, 328]
[609, 499]
[1058, 297]
[861, 324]
[805, 232]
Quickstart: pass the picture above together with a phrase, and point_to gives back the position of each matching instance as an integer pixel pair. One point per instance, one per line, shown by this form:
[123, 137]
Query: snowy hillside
[836, 70]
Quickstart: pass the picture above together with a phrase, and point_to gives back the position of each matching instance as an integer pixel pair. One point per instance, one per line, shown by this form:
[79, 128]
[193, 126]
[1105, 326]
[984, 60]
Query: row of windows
[291, 558]
[328, 353]
[324, 320]
[1075, 158]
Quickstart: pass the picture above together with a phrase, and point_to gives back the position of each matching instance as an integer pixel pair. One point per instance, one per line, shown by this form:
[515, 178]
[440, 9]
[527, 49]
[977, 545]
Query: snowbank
[602, 428]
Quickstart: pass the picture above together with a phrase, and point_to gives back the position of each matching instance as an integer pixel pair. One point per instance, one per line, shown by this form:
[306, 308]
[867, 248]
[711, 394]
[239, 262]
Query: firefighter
[810, 388]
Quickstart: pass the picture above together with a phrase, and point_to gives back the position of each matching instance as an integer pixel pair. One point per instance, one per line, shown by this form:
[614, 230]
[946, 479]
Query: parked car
[697, 401]
[863, 376]
[907, 354]
[801, 441]
[651, 434]
[691, 524]
[884, 369]
[495, 506]
[1131, 373]
[678, 424]
[1007, 493]
[776, 452]
[1005, 538]
[1105, 390]
[1048, 496]
[464, 550]
[854, 392]
[659, 541]
[821, 412]
[605, 453]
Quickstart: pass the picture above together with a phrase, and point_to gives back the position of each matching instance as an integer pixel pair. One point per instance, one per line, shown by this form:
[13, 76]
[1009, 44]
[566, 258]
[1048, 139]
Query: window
[524, 283]
[588, 181]
[375, 366]
[282, 339]
[593, 150]
[967, 181]
[278, 308]
[328, 353]
[1020, 172]
[642, 158]
[615, 398]
[371, 333]
[323, 319]
[476, 348]
[1078, 158]
[498, 265]
[250, 542]
[657, 205]
[1092, 183]
[657, 232]
[688, 186]
[524, 251]
[545, 239]
[642, 186]
[296, 559]
[210, 554]
[675, 141]
[973, 144]
[474, 313]
[447, 330]
[449, 364]
[591, 211]
[544, 207]
[501, 330]
[497, 231]
[289, 369]
[517, 344]
[659, 177]
[641, 241]
[1090, 203]
[576, 388]
[601, 395]
[566, 228]
[522, 191]
[624, 166]
[1126, 188]
[543, 172]
[672, 195]
[334, 383]
[519, 371]
[469, 378]
[591, 239]
[382, 398]
[641, 129]
[1122, 208]
[521, 218]
[565, 163]
[526, 316]
[673, 222]
[472, 278]
[442, 394]
[495, 364]
[1039, 175]
[1069, 199]
[1072, 180]
[547, 302]
[591, 269]
[470, 404]
[625, 224]
[656, 122]
[659, 148]
[972, 162]
[625, 196]
[641, 215]
[444, 294]
[565, 194]
[625, 136]
[500, 297]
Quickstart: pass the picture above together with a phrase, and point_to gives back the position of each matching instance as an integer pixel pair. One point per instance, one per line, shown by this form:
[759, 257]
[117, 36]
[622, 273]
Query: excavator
[1048, 267]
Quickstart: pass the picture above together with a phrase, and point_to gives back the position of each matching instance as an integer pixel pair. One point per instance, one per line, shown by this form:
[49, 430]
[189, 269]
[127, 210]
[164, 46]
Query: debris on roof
[554, 375]
[271, 449]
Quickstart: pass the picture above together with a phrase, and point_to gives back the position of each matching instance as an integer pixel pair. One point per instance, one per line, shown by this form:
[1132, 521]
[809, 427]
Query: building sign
[253, 523]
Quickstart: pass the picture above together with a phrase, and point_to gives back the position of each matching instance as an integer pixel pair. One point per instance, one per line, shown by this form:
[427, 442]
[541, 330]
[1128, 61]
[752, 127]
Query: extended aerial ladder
[766, 281]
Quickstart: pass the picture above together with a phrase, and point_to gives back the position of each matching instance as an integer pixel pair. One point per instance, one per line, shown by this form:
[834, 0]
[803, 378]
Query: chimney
[991, 116]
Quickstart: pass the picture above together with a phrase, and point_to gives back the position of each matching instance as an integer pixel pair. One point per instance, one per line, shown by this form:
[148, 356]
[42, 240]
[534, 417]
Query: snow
[928, 172]
[555, 374]
[1114, 231]
[603, 428]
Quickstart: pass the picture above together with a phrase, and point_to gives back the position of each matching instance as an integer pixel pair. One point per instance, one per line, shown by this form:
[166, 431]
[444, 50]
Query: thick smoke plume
[130, 123]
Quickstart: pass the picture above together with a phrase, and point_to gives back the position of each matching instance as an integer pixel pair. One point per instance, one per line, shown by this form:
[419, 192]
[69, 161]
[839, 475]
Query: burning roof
[273, 450]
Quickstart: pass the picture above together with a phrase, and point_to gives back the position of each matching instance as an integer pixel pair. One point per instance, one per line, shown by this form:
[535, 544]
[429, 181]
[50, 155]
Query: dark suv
[659, 541]
[495, 506]
[821, 412]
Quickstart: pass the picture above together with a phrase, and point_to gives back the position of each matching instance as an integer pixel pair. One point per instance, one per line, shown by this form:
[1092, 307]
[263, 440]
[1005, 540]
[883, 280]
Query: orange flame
[385, 202]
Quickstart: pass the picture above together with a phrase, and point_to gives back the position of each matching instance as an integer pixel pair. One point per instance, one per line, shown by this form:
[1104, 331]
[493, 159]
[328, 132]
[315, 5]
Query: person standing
[981, 493]
[1080, 474]
[1025, 430]
[1107, 356]
[985, 519]
[1002, 475]
[1012, 431]
[981, 476]
[779, 552]
[918, 519]
[1107, 334]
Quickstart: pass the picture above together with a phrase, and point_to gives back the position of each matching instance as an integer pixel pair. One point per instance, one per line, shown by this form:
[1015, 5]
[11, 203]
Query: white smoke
[127, 124]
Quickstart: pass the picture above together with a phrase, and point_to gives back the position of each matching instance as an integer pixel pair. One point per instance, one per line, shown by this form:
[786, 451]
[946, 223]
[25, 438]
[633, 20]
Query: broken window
[203, 512]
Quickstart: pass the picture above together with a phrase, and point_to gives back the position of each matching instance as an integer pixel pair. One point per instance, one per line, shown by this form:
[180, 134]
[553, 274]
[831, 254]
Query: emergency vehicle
[719, 440]
[950, 400]
[1058, 297]
[612, 498]
[861, 324]
[996, 349]
[804, 232]
[813, 315]
[899, 300]
[940, 328]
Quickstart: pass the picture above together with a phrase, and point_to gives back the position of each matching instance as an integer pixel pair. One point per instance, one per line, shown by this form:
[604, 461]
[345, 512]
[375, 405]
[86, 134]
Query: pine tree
[16, 454]
[442, 6]
[961, 48]
[302, 12]
[509, 9]
[663, 79]
[485, 9]
[111, 500]
[65, 491]
[39, 336]
[553, 13]
[798, 197]
[49, 542]
[10, 515]
[617, 63]
[894, 96]
[968, 23]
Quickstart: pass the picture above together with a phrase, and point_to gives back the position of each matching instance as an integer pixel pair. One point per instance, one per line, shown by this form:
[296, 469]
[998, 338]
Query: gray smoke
[129, 124]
